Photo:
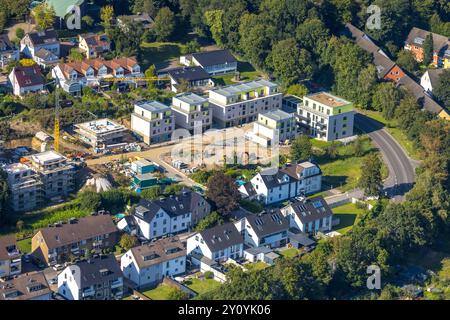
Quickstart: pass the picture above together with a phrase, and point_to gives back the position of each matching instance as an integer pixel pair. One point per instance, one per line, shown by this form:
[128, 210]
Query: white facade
[191, 111]
[162, 224]
[67, 284]
[197, 244]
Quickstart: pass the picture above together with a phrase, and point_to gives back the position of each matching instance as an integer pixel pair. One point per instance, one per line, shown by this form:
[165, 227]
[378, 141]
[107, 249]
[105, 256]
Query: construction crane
[56, 129]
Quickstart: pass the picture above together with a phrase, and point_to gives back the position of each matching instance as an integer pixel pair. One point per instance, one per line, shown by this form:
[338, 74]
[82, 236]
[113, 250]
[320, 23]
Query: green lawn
[158, 52]
[161, 292]
[202, 285]
[247, 73]
[24, 245]
[348, 215]
[256, 266]
[289, 253]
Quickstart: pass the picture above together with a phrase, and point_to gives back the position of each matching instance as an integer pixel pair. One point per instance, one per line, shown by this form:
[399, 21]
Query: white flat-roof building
[101, 134]
[326, 116]
[240, 103]
[153, 121]
[191, 110]
[272, 127]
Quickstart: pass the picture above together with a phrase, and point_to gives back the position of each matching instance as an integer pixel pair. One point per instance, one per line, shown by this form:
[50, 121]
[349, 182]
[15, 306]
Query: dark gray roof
[43, 37]
[300, 237]
[8, 247]
[268, 223]
[46, 55]
[188, 74]
[417, 36]
[25, 287]
[308, 210]
[250, 189]
[98, 270]
[28, 76]
[435, 76]
[239, 213]
[221, 237]
[5, 43]
[212, 58]
[158, 252]
[424, 100]
[257, 250]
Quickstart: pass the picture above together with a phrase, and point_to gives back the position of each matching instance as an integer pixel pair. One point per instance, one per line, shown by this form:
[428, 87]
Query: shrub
[209, 275]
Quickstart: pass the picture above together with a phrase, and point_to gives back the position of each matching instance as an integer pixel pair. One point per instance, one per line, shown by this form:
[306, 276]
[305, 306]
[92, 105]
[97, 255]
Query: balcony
[116, 283]
[88, 292]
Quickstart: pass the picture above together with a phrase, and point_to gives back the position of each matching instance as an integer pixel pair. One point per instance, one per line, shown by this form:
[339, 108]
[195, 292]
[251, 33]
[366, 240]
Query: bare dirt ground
[27, 27]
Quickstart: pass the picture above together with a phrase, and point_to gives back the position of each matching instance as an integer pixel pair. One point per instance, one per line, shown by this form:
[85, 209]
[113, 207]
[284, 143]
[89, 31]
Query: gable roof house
[170, 215]
[45, 58]
[194, 77]
[143, 18]
[37, 40]
[10, 257]
[56, 243]
[441, 47]
[98, 278]
[219, 243]
[309, 215]
[73, 76]
[94, 45]
[26, 79]
[214, 62]
[386, 68]
[431, 79]
[8, 52]
[148, 264]
[268, 229]
[30, 286]
[292, 180]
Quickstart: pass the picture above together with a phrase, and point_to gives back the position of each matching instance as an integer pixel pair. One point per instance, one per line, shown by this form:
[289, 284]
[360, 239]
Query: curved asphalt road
[401, 167]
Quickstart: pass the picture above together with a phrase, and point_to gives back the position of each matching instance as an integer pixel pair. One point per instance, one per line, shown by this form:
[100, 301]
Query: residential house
[25, 186]
[64, 8]
[170, 215]
[192, 111]
[153, 121]
[97, 278]
[214, 62]
[94, 45]
[273, 128]
[102, 134]
[189, 79]
[8, 52]
[96, 73]
[30, 286]
[268, 229]
[309, 215]
[431, 79]
[26, 80]
[143, 18]
[219, 243]
[148, 264]
[34, 41]
[241, 103]
[441, 47]
[276, 185]
[326, 116]
[10, 257]
[56, 243]
[45, 58]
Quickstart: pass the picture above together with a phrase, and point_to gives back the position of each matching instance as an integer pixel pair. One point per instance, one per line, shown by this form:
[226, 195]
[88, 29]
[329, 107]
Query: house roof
[212, 58]
[257, 250]
[417, 37]
[28, 76]
[221, 237]
[143, 17]
[328, 99]
[61, 6]
[284, 175]
[277, 115]
[153, 106]
[24, 287]
[419, 93]
[158, 252]
[5, 43]
[96, 41]
[8, 249]
[48, 36]
[249, 189]
[268, 223]
[188, 74]
[383, 64]
[191, 98]
[81, 67]
[435, 76]
[84, 228]
[308, 210]
[97, 270]
[45, 55]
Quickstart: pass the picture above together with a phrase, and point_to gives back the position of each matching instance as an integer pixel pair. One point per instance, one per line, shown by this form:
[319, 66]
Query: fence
[175, 284]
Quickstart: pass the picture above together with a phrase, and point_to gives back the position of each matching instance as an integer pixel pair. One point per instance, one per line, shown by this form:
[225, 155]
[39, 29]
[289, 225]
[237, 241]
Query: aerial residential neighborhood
[224, 150]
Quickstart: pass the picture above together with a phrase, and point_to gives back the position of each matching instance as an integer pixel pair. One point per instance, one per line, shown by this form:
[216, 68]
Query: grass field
[247, 73]
[256, 266]
[158, 52]
[202, 285]
[24, 245]
[289, 253]
[348, 215]
[162, 292]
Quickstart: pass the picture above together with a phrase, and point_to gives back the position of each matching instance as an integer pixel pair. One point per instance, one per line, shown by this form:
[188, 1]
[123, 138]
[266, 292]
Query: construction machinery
[56, 128]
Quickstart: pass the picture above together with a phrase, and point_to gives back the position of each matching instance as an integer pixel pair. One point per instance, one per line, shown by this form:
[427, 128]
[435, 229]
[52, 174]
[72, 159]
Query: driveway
[401, 168]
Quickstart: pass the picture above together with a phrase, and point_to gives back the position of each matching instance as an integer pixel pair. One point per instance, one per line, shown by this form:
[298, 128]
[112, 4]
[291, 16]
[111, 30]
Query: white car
[57, 267]
[53, 281]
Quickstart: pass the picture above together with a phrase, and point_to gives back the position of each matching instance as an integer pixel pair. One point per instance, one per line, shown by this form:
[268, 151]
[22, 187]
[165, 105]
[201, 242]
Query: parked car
[53, 281]
[57, 267]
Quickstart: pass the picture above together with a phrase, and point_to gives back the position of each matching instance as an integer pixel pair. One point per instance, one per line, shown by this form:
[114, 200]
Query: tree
[211, 220]
[4, 193]
[151, 193]
[89, 200]
[290, 63]
[174, 189]
[88, 21]
[428, 50]
[191, 47]
[442, 90]
[177, 294]
[20, 33]
[385, 99]
[214, 20]
[358, 147]
[164, 24]
[223, 191]
[151, 73]
[145, 6]
[19, 225]
[107, 16]
[3, 20]
[127, 241]
[298, 90]
[310, 33]
[371, 180]
[301, 148]
[406, 60]
[75, 55]
[44, 16]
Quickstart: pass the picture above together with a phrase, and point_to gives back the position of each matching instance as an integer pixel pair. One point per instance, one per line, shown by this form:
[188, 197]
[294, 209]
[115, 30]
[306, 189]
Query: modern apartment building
[10, 257]
[273, 127]
[241, 103]
[26, 187]
[55, 172]
[101, 134]
[326, 116]
[191, 110]
[153, 121]
[56, 243]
